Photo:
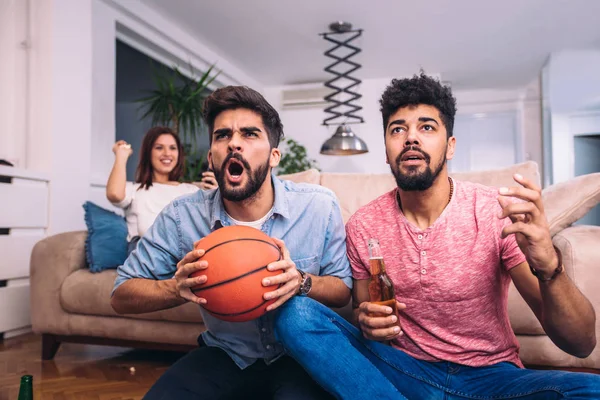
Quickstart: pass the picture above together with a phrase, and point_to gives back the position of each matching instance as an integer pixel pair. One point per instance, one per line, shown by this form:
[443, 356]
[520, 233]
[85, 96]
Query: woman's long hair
[145, 172]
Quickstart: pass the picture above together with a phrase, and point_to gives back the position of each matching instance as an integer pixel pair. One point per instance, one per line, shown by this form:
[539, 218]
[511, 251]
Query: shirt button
[420, 236]
[423, 271]
[423, 253]
[268, 347]
[264, 329]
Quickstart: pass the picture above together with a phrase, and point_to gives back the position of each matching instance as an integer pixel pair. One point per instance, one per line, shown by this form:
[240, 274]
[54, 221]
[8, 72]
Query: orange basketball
[237, 263]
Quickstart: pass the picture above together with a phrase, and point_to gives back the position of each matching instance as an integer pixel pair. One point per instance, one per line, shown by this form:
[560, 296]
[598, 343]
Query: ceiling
[471, 43]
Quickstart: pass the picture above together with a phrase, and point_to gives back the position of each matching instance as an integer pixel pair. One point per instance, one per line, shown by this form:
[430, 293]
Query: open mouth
[235, 169]
[166, 161]
[412, 157]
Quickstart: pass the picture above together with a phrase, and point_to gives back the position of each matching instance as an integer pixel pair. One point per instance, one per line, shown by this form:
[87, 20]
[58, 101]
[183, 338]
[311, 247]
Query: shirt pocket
[309, 265]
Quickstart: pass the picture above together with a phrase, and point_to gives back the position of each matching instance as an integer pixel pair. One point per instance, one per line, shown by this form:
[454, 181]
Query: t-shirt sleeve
[157, 253]
[356, 243]
[334, 261]
[192, 188]
[129, 192]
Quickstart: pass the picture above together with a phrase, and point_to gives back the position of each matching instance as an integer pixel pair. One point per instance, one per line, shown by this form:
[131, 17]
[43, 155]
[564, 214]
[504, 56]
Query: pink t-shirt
[453, 276]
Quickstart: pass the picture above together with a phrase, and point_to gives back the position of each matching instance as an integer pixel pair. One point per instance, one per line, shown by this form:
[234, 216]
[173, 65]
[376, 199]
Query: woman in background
[156, 180]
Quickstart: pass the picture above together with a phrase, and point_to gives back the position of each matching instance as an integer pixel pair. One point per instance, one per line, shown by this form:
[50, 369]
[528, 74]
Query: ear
[210, 161]
[450, 148]
[275, 157]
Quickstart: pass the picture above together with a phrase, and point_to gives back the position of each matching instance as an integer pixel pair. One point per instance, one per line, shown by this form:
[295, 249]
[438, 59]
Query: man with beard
[451, 248]
[243, 359]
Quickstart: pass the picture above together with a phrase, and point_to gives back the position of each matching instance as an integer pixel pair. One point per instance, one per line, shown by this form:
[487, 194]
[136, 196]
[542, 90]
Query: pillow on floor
[106, 243]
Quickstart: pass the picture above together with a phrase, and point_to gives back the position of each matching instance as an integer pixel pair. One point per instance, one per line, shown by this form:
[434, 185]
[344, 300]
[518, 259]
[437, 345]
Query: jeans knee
[298, 314]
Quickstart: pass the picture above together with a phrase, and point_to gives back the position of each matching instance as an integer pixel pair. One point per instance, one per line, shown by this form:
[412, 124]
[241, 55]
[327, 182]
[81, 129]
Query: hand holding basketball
[289, 279]
[188, 265]
[238, 257]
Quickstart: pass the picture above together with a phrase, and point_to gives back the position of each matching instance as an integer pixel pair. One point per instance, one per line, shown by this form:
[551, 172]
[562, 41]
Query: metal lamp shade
[344, 143]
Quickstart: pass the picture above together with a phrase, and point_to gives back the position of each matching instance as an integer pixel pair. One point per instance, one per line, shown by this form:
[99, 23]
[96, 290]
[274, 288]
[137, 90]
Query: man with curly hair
[451, 248]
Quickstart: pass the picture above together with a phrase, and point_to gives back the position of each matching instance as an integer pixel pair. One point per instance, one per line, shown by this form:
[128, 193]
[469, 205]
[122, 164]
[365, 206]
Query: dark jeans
[209, 373]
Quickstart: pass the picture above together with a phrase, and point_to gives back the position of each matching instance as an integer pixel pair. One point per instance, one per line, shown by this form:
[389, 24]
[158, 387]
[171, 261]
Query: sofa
[71, 304]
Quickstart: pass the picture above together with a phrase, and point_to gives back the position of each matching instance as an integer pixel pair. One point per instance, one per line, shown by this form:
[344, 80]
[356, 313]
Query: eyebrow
[246, 129]
[421, 119]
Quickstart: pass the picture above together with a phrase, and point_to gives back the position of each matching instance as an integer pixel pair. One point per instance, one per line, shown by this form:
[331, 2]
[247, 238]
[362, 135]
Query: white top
[253, 224]
[142, 206]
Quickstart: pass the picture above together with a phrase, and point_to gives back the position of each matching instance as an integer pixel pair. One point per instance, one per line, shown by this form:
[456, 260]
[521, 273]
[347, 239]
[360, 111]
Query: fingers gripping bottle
[381, 288]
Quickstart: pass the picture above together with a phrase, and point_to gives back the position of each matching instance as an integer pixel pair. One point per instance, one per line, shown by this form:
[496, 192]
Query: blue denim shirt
[306, 217]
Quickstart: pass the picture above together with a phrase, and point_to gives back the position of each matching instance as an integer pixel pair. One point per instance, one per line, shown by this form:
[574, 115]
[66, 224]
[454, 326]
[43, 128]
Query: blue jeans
[349, 366]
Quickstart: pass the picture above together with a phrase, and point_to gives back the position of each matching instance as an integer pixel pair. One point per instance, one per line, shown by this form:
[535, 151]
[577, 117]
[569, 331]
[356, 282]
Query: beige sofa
[71, 304]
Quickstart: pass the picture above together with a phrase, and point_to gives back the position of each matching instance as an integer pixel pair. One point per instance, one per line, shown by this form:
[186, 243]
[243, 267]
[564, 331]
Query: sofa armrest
[580, 249]
[581, 258]
[53, 259]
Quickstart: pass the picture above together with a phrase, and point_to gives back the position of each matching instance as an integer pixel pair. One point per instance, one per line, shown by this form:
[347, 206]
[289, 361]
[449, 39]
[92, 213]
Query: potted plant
[294, 158]
[177, 102]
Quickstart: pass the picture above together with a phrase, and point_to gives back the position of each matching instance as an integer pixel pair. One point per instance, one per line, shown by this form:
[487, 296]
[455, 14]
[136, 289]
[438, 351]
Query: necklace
[449, 196]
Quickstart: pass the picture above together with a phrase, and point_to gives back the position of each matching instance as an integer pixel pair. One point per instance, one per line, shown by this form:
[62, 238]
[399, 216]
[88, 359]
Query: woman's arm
[115, 188]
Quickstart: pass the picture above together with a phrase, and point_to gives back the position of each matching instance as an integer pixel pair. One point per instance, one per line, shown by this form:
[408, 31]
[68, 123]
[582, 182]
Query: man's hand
[529, 225]
[377, 322]
[208, 181]
[188, 265]
[289, 279]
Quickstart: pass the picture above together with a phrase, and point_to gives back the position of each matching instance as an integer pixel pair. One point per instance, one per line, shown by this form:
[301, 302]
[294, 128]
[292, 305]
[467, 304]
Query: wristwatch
[305, 283]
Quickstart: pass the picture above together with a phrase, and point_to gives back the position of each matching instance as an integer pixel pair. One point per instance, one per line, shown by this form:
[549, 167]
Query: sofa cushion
[567, 202]
[356, 190]
[502, 176]
[106, 242]
[88, 293]
[309, 176]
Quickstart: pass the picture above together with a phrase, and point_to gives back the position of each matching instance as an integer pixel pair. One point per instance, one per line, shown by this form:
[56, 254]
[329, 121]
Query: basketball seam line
[247, 239]
[229, 280]
[238, 313]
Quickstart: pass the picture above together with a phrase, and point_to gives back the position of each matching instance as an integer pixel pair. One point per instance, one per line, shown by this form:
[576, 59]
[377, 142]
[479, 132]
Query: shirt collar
[280, 206]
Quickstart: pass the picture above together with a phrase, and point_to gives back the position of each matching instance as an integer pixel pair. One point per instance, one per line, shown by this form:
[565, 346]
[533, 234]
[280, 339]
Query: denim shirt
[306, 217]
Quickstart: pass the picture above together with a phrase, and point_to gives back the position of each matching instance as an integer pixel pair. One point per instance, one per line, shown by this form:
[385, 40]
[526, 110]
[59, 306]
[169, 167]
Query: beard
[414, 180]
[243, 192]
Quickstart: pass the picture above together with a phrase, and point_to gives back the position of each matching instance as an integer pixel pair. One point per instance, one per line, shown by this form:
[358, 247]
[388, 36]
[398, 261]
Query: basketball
[237, 263]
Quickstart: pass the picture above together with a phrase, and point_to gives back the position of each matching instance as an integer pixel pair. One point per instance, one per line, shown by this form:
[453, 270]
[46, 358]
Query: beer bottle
[381, 288]
[26, 389]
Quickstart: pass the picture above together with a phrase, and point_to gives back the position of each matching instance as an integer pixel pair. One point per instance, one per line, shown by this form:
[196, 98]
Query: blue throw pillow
[106, 243]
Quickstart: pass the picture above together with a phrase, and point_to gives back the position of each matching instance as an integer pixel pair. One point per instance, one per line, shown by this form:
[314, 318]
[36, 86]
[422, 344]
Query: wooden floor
[80, 371]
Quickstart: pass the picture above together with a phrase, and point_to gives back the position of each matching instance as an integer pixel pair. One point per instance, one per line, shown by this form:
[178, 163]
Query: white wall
[71, 86]
[14, 31]
[132, 130]
[524, 102]
[61, 106]
[304, 123]
[103, 90]
[571, 94]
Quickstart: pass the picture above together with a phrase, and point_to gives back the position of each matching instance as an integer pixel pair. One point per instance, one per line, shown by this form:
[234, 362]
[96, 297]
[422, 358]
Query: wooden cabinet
[23, 222]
